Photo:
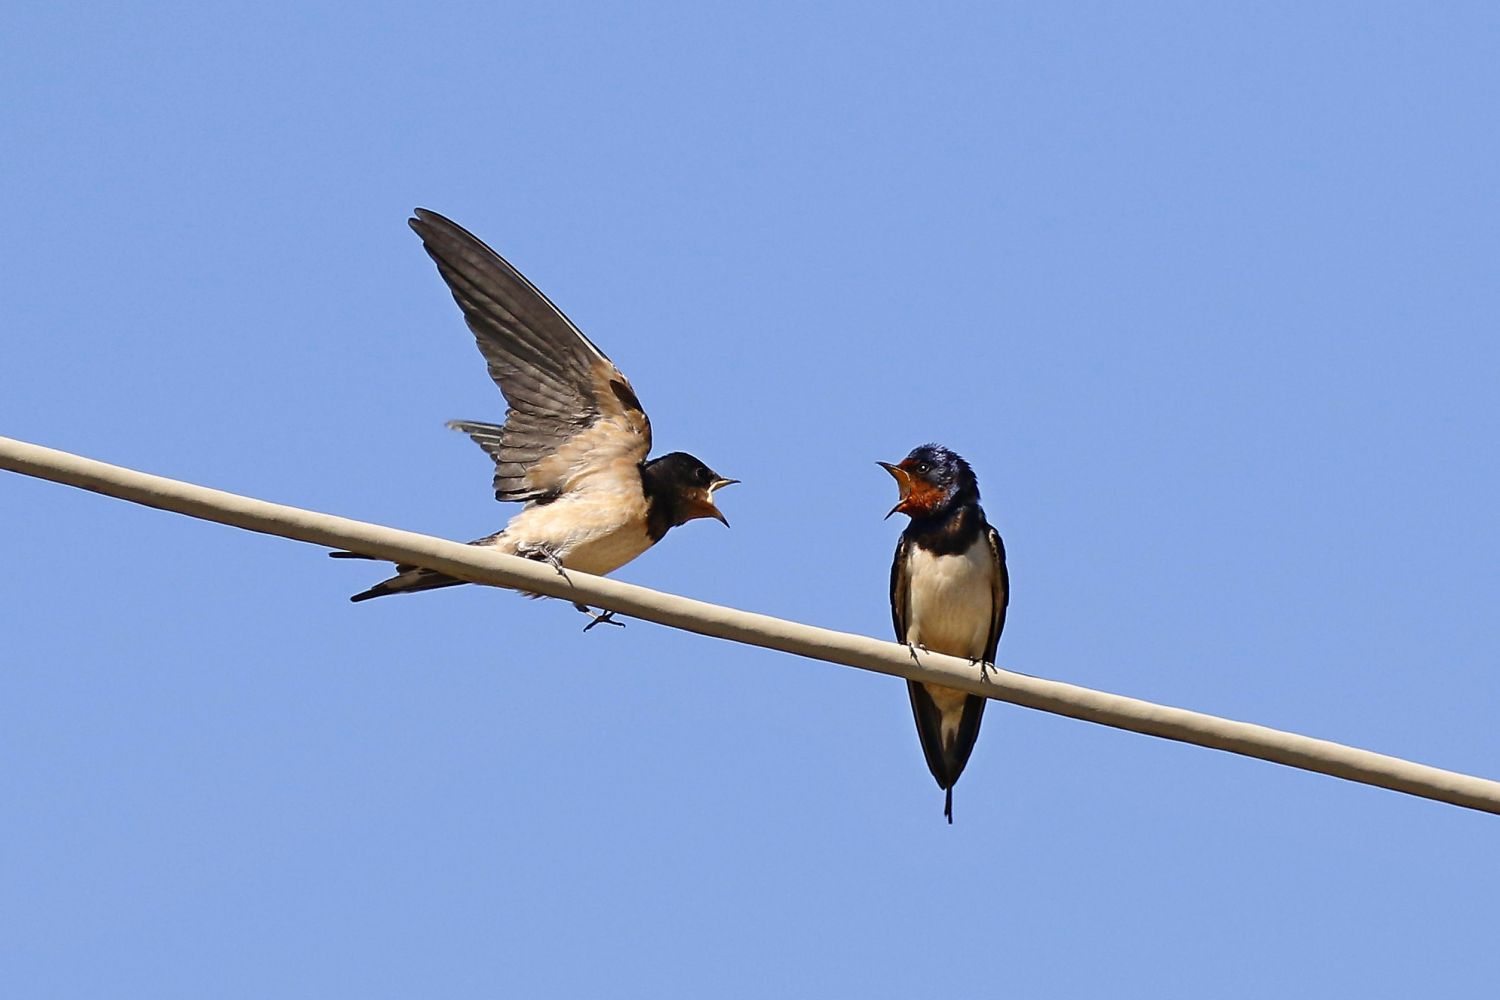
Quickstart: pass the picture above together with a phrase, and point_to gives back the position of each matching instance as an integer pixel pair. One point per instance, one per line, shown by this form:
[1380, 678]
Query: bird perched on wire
[575, 439]
[949, 592]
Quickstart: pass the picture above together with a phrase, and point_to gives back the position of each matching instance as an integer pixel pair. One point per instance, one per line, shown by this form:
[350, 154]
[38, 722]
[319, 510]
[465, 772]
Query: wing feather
[1001, 593]
[572, 414]
[899, 589]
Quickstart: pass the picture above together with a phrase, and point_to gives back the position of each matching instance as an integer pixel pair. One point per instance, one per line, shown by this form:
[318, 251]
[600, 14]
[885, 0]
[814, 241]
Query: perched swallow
[575, 439]
[949, 591]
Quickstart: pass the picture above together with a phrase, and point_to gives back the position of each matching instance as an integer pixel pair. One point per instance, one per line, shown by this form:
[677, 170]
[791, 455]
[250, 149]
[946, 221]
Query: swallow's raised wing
[573, 416]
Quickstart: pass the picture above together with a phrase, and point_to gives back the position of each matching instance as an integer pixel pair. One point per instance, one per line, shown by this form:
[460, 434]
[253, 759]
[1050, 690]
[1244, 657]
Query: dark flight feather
[574, 430]
[570, 409]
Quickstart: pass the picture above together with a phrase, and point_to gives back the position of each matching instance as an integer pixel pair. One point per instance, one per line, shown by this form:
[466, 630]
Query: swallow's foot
[599, 617]
[984, 667]
[912, 648]
[541, 553]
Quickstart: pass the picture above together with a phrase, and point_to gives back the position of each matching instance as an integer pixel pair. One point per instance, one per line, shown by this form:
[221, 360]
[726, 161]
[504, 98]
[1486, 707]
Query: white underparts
[950, 602]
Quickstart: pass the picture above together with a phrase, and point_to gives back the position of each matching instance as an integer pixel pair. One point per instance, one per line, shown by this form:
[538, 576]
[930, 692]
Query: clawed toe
[598, 617]
[543, 554]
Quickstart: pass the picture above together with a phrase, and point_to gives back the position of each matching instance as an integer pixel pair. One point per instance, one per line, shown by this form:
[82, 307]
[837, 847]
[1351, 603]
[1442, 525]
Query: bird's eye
[923, 468]
[704, 476]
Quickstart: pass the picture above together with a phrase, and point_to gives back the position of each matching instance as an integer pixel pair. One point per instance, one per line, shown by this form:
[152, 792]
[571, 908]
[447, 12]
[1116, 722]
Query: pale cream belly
[950, 601]
[596, 532]
[608, 552]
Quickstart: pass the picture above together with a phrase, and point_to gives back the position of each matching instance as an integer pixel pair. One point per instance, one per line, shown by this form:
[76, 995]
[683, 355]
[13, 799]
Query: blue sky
[1206, 294]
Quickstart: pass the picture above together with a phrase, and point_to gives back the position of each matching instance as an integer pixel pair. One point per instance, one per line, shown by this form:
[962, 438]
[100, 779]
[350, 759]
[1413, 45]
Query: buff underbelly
[590, 533]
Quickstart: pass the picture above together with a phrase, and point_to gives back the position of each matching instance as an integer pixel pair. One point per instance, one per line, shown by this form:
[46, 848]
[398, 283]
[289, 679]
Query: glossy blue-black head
[682, 487]
[932, 480]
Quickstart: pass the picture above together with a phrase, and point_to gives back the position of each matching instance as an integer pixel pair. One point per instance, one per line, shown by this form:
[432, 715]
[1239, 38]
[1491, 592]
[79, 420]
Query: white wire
[482, 565]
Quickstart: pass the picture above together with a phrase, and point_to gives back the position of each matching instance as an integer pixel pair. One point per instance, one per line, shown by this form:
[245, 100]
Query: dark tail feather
[409, 581]
[946, 761]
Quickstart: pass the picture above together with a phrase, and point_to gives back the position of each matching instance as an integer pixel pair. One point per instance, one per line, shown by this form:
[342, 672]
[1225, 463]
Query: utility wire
[484, 565]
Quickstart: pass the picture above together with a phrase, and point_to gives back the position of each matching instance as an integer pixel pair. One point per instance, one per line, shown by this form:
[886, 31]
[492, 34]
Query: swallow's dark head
[680, 489]
[932, 480]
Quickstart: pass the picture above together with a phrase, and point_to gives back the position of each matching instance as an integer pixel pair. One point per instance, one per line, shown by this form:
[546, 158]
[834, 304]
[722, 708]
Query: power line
[484, 565]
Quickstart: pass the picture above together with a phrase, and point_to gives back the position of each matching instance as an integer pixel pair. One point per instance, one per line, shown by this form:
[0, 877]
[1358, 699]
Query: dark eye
[704, 477]
[923, 468]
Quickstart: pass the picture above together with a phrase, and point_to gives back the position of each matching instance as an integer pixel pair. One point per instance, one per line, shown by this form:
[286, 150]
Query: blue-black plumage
[949, 592]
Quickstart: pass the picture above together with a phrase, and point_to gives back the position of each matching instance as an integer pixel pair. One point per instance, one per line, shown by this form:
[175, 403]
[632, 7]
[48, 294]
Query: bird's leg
[555, 563]
[912, 647]
[599, 617]
[544, 553]
[984, 667]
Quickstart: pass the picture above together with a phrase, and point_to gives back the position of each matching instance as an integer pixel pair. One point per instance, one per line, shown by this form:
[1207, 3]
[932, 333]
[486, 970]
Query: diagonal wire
[482, 565]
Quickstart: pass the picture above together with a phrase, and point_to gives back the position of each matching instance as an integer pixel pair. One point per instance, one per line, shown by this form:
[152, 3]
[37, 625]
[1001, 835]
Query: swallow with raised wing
[574, 443]
[949, 592]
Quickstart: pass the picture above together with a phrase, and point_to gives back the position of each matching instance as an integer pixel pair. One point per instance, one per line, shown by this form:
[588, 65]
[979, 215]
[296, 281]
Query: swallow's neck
[948, 532]
[665, 505]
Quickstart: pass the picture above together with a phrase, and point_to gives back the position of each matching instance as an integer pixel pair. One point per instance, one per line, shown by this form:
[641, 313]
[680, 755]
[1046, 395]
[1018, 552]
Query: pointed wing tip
[429, 225]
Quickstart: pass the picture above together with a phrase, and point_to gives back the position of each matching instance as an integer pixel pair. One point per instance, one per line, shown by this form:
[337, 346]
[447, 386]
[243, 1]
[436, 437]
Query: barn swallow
[949, 591]
[574, 443]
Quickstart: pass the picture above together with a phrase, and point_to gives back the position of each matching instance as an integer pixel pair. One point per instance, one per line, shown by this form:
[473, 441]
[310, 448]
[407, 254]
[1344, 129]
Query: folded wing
[572, 415]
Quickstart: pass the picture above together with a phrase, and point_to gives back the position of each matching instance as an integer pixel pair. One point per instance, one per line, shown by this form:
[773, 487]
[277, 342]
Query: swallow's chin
[710, 511]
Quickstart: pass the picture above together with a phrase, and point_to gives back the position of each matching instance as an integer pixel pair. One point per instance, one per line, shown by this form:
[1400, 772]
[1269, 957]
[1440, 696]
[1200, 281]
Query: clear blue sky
[1206, 293]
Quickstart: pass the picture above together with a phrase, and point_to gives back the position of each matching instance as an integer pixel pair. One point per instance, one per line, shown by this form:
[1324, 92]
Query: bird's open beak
[707, 507]
[903, 482]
